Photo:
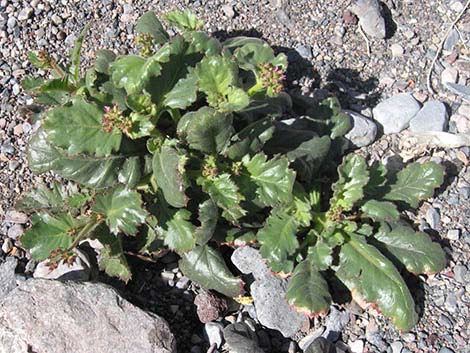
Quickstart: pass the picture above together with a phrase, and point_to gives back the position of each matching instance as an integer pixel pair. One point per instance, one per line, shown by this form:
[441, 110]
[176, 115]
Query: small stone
[370, 17]
[209, 307]
[445, 350]
[432, 117]
[7, 245]
[13, 216]
[18, 130]
[465, 192]
[241, 339]
[456, 6]
[25, 14]
[432, 217]
[396, 346]
[408, 337]
[167, 275]
[15, 231]
[7, 276]
[228, 10]
[460, 273]
[335, 322]
[461, 90]
[449, 75]
[183, 283]
[312, 336]
[397, 50]
[56, 19]
[320, 345]
[213, 332]
[357, 346]
[11, 23]
[305, 51]
[349, 18]
[363, 131]
[79, 270]
[451, 303]
[16, 89]
[395, 113]
[453, 234]
[445, 321]
[451, 40]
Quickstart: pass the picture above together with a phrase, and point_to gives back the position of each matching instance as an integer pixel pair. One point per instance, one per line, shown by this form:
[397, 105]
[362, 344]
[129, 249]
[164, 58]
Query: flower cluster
[67, 257]
[113, 118]
[146, 42]
[272, 78]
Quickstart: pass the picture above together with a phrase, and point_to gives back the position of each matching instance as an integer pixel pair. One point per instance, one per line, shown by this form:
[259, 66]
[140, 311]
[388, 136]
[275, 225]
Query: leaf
[274, 178]
[225, 193]
[75, 54]
[180, 234]
[49, 233]
[307, 290]
[252, 55]
[206, 267]
[353, 176]
[168, 169]
[377, 180]
[203, 43]
[34, 59]
[416, 182]
[336, 122]
[380, 210]
[90, 171]
[43, 198]
[78, 129]
[320, 255]
[104, 58]
[278, 240]
[371, 277]
[112, 259]
[208, 216]
[183, 94]
[122, 209]
[184, 20]
[413, 250]
[149, 23]
[206, 130]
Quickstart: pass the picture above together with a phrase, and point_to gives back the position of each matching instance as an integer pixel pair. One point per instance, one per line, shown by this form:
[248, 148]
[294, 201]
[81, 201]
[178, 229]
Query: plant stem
[87, 229]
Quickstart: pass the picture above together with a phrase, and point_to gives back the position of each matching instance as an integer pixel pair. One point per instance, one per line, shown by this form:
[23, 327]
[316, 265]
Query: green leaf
[274, 178]
[349, 188]
[184, 20]
[43, 198]
[252, 55]
[33, 59]
[49, 233]
[378, 178]
[206, 267]
[208, 217]
[183, 94]
[335, 120]
[413, 250]
[307, 290]
[203, 43]
[380, 210]
[149, 23]
[122, 209]
[218, 77]
[320, 255]
[225, 194]
[90, 171]
[372, 278]
[416, 182]
[112, 259]
[206, 130]
[78, 129]
[104, 58]
[180, 235]
[75, 54]
[168, 169]
[278, 240]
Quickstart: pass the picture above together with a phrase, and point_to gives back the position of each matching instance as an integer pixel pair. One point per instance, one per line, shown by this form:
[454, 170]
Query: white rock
[449, 75]
[213, 331]
[395, 113]
[397, 50]
[78, 271]
[357, 346]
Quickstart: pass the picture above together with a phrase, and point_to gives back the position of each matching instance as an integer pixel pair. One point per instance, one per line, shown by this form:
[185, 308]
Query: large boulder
[63, 317]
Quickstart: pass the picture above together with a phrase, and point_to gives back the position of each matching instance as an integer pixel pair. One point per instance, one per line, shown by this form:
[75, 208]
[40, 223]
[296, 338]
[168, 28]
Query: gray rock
[321, 345]
[396, 346]
[268, 292]
[13, 216]
[25, 14]
[15, 231]
[395, 113]
[213, 331]
[445, 350]
[336, 321]
[308, 340]
[449, 75]
[64, 317]
[451, 40]
[460, 273]
[451, 303]
[305, 51]
[228, 10]
[7, 276]
[432, 217]
[363, 130]
[432, 117]
[241, 339]
[78, 271]
[370, 17]
[461, 90]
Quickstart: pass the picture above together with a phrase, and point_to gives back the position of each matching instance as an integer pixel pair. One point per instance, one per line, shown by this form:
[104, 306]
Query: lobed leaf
[380, 210]
[112, 259]
[180, 235]
[206, 267]
[184, 20]
[149, 23]
[208, 217]
[75, 54]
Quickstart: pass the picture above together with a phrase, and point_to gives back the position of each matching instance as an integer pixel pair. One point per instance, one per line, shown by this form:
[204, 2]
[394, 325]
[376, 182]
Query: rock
[7, 277]
[13, 216]
[321, 345]
[7, 245]
[449, 75]
[213, 331]
[335, 322]
[363, 130]
[453, 234]
[451, 303]
[349, 18]
[308, 340]
[209, 307]
[305, 51]
[228, 10]
[445, 350]
[64, 317]
[268, 292]
[25, 14]
[432, 117]
[396, 346]
[15, 231]
[451, 40]
[370, 17]
[460, 273]
[456, 6]
[456, 88]
[432, 217]
[78, 271]
[397, 50]
[462, 123]
[395, 113]
[241, 339]
[56, 19]
[357, 346]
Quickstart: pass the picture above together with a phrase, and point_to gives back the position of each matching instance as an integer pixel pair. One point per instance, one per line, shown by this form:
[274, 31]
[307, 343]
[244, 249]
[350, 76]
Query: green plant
[188, 146]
